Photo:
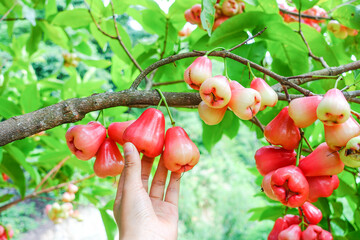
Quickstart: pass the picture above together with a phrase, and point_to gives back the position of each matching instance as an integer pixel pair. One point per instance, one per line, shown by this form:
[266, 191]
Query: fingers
[172, 192]
[132, 169]
[146, 165]
[117, 202]
[159, 181]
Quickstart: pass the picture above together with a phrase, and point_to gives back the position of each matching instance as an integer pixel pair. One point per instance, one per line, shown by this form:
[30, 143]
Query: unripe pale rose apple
[215, 91]
[333, 108]
[269, 97]
[230, 8]
[350, 155]
[211, 116]
[245, 103]
[303, 110]
[198, 72]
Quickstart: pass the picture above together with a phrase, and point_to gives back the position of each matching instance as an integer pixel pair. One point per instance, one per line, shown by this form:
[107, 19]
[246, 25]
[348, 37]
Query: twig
[244, 42]
[356, 114]
[47, 190]
[167, 83]
[304, 15]
[305, 139]
[97, 24]
[58, 166]
[8, 11]
[286, 93]
[257, 122]
[319, 59]
[165, 38]
[343, 4]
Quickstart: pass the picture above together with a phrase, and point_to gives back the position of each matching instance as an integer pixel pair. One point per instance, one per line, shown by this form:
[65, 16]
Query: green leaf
[338, 209]
[97, 63]
[84, 48]
[50, 9]
[305, 4]
[75, 18]
[211, 135]
[55, 34]
[29, 14]
[30, 99]
[18, 156]
[207, 15]
[348, 15]
[109, 224]
[231, 124]
[6, 197]
[8, 109]
[269, 6]
[34, 40]
[1, 154]
[11, 168]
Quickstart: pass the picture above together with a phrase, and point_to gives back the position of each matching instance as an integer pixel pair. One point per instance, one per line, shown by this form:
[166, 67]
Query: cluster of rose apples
[296, 181]
[57, 213]
[341, 31]
[223, 12]
[147, 133]
[6, 232]
[218, 93]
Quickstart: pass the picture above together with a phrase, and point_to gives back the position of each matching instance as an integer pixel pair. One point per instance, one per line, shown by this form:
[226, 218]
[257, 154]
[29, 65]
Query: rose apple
[282, 131]
[117, 129]
[219, 21]
[303, 110]
[313, 232]
[147, 132]
[109, 161]
[312, 214]
[293, 232]
[266, 186]
[322, 186]
[85, 140]
[198, 72]
[269, 97]
[180, 153]
[215, 91]
[211, 116]
[350, 154]
[230, 8]
[244, 102]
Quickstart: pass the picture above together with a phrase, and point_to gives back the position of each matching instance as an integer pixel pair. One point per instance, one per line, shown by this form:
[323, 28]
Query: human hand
[143, 215]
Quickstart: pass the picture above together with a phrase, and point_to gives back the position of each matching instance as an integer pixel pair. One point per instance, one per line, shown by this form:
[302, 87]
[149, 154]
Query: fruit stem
[337, 81]
[298, 152]
[251, 72]
[166, 105]
[306, 141]
[158, 106]
[208, 52]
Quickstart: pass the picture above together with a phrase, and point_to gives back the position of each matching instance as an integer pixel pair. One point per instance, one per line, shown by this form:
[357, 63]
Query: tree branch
[304, 15]
[8, 11]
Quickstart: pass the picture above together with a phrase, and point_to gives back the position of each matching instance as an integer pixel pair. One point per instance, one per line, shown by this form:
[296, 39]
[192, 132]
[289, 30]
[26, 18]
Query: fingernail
[128, 148]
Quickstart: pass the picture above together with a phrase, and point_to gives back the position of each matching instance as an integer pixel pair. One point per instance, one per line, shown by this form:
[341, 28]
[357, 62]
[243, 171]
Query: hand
[140, 215]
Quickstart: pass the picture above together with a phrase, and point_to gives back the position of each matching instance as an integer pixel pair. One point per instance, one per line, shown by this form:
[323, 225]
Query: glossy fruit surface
[215, 91]
[109, 161]
[282, 224]
[350, 154]
[230, 8]
[245, 102]
[269, 97]
[198, 72]
[314, 232]
[290, 186]
[282, 131]
[117, 129]
[322, 186]
[293, 232]
[147, 133]
[312, 215]
[211, 116]
[270, 158]
[303, 110]
[85, 140]
[321, 162]
[338, 135]
[333, 108]
[266, 186]
[180, 153]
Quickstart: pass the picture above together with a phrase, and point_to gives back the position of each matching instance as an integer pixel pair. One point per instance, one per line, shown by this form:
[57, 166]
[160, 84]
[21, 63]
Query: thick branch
[304, 15]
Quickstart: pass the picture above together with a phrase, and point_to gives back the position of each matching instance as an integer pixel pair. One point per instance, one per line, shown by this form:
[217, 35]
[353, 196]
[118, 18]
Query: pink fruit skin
[282, 131]
[85, 140]
[230, 8]
[321, 162]
[322, 186]
[303, 110]
[312, 214]
[198, 72]
[291, 233]
[211, 116]
[245, 102]
[333, 108]
[269, 97]
[196, 11]
[180, 153]
[117, 129]
[290, 186]
[219, 21]
[270, 158]
[147, 132]
[215, 91]
[109, 161]
[314, 232]
[282, 224]
[266, 186]
[338, 135]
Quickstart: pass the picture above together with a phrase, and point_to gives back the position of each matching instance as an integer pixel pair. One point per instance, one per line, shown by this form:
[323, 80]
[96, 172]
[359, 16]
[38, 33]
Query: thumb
[132, 170]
